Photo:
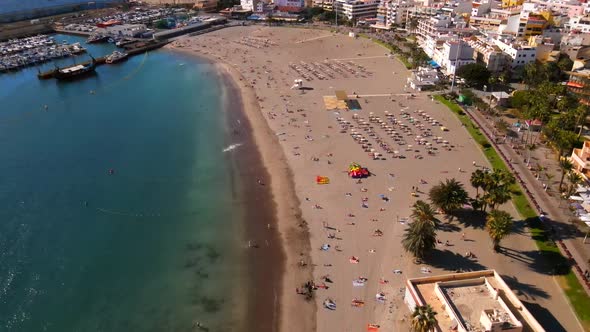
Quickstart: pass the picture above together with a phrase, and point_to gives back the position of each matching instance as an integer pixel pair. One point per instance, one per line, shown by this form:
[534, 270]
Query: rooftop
[468, 301]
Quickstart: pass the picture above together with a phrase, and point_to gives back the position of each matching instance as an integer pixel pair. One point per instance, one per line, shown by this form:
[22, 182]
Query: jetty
[131, 49]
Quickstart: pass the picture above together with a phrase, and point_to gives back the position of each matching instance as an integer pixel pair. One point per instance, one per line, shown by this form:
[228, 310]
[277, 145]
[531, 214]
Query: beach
[358, 225]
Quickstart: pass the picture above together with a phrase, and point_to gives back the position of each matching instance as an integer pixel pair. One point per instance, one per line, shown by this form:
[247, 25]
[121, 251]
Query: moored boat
[75, 71]
[115, 57]
[97, 38]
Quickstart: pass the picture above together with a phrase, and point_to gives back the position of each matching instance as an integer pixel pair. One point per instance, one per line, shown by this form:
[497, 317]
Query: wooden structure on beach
[341, 101]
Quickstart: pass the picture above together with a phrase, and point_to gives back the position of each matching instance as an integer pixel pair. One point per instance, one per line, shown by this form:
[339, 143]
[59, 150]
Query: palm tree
[499, 225]
[423, 319]
[419, 238]
[477, 180]
[448, 196]
[549, 177]
[497, 188]
[422, 211]
[574, 179]
[566, 166]
[497, 196]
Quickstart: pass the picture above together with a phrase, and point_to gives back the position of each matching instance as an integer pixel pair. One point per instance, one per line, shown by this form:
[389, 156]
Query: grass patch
[574, 291]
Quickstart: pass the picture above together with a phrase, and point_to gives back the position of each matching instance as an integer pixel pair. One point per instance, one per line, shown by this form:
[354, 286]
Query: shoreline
[278, 205]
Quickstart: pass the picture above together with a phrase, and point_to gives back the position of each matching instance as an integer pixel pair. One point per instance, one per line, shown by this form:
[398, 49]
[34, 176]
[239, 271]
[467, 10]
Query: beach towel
[358, 283]
[372, 327]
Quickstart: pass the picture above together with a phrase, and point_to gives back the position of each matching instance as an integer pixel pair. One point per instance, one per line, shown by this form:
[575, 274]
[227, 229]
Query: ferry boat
[97, 38]
[115, 57]
[75, 71]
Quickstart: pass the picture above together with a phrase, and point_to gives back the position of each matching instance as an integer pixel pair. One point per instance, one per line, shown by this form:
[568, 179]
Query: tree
[502, 126]
[582, 114]
[419, 238]
[474, 74]
[477, 180]
[564, 140]
[423, 212]
[574, 179]
[448, 196]
[497, 188]
[530, 74]
[498, 225]
[565, 64]
[566, 166]
[423, 319]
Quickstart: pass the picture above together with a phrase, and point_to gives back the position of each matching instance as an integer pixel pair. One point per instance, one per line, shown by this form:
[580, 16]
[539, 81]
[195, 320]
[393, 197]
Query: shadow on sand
[450, 261]
[541, 261]
[544, 317]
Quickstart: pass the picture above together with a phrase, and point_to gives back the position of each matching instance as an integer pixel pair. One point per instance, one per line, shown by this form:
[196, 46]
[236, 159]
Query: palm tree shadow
[451, 261]
[541, 261]
[447, 227]
[544, 317]
[473, 218]
[528, 291]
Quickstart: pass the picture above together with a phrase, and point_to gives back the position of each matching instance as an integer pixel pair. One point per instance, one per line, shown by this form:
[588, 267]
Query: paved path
[566, 234]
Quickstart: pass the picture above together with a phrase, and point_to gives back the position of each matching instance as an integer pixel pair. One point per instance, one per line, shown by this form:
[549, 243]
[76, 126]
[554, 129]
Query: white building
[579, 23]
[289, 3]
[393, 12]
[124, 30]
[325, 4]
[453, 55]
[487, 53]
[471, 301]
[520, 54]
[248, 4]
[356, 9]
[423, 79]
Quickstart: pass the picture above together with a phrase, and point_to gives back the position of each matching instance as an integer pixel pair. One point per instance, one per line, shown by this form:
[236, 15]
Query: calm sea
[156, 245]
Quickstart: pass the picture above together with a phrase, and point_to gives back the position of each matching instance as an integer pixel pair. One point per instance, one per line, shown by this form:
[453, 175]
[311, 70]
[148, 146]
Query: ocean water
[156, 245]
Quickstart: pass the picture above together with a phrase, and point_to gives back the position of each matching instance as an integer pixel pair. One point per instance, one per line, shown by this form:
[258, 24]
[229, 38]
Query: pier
[131, 49]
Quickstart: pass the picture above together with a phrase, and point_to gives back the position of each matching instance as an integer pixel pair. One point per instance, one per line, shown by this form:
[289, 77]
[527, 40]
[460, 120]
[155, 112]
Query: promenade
[569, 238]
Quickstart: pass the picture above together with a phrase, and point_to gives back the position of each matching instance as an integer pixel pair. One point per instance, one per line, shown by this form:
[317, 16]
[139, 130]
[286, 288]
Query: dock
[131, 49]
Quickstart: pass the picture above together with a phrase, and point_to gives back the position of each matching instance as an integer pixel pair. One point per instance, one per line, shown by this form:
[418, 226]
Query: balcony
[578, 159]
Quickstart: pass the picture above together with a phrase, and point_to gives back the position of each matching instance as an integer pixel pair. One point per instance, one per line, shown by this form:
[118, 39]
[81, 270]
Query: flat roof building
[471, 301]
[356, 9]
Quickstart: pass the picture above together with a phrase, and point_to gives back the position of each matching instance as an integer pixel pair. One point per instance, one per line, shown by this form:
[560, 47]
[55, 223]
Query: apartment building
[519, 52]
[579, 24]
[440, 25]
[453, 55]
[511, 3]
[485, 52]
[356, 9]
[568, 8]
[580, 158]
[393, 12]
[327, 5]
[579, 81]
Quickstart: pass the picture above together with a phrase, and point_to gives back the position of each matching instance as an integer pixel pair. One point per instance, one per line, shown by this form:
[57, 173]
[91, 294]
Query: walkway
[569, 238]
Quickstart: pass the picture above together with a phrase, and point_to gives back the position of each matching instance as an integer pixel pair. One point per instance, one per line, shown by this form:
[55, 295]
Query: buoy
[111, 171]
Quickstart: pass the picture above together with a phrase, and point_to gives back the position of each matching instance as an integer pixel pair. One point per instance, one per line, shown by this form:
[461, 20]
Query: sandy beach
[360, 225]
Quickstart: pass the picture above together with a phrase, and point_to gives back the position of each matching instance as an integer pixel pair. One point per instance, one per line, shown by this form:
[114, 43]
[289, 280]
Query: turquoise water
[152, 247]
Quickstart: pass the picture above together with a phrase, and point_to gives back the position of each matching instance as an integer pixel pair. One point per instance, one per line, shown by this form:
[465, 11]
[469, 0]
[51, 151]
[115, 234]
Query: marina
[19, 53]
